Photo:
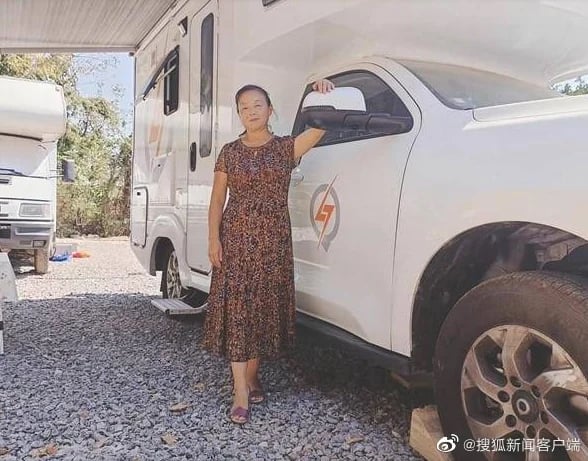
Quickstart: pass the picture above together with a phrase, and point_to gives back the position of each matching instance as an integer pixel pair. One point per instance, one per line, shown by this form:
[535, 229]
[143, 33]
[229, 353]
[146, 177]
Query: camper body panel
[402, 198]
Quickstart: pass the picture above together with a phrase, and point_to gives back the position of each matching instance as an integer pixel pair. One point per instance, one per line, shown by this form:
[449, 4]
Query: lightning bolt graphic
[324, 212]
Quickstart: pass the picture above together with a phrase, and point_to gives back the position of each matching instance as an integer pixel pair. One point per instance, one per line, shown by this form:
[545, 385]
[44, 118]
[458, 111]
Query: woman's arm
[215, 213]
[310, 137]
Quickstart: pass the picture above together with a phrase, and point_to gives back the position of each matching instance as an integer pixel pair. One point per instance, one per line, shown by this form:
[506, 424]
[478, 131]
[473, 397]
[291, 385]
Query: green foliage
[98, 202]
[579, 86]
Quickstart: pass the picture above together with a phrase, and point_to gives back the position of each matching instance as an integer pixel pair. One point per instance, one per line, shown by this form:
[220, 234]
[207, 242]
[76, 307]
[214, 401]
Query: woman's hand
[215, 252]
[323, 85]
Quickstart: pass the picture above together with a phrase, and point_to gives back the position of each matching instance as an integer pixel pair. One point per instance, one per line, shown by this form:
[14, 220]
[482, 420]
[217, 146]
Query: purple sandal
[256, 396]
[239, 412]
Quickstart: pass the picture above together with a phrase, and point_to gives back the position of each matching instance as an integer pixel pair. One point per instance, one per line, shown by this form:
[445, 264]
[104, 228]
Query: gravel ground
[92, 372]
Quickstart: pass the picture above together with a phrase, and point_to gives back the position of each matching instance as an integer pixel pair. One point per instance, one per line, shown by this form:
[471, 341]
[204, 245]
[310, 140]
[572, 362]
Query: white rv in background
[32, 119]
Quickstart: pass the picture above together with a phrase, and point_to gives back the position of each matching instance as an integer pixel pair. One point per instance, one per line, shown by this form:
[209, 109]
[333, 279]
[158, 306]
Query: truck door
[202, 114]
[344, 199]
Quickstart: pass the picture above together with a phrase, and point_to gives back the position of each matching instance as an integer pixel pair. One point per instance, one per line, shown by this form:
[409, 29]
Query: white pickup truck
[451, 210]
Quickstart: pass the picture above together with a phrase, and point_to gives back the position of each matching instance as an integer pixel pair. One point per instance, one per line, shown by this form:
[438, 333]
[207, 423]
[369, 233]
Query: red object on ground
[81, 254]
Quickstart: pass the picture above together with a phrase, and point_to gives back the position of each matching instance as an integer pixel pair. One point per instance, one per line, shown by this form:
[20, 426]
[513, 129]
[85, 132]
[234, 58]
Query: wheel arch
[479, 254]
[159, 252]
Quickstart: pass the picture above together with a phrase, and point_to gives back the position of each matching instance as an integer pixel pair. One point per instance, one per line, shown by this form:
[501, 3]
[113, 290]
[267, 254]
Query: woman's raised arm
[310, 137]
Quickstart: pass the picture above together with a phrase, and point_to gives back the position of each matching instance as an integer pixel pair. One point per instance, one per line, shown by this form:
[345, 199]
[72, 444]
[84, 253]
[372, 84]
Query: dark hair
[248, 88]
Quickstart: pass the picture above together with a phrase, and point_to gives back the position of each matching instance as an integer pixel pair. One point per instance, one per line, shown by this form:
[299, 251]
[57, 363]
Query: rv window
[379, 98]
[171, 83]
[268, 2]
[206, 84]
[159, 72]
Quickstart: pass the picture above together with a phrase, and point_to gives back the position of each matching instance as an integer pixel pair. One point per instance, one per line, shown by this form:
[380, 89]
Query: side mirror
[329, 110]
[68, 167]
[344, 108]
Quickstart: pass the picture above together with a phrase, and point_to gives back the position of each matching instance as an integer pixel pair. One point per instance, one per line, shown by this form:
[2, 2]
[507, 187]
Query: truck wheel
[171, 285]
[41, 260]
[511, 362]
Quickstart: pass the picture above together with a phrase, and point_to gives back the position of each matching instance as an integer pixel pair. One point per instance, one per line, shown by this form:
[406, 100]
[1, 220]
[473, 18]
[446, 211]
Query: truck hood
[565, 104]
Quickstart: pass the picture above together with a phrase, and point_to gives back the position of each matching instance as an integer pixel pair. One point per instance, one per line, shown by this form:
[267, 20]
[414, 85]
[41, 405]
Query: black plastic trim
[378, 355]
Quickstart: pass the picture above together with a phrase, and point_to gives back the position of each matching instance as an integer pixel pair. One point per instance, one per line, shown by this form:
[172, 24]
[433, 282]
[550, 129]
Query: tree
[97, 203]
[577, 88]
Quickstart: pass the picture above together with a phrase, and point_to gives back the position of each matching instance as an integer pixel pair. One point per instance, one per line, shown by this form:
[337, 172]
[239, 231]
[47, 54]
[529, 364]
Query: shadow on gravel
[101, 353]
[22, 264]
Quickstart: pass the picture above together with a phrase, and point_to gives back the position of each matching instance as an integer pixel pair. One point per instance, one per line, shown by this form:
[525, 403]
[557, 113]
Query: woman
[251, 307]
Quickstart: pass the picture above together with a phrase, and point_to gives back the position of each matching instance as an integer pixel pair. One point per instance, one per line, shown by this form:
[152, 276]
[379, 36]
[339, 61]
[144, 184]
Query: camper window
[169, 71]
[206, 84]
[171, 83]
[268, 2]
[379, 99]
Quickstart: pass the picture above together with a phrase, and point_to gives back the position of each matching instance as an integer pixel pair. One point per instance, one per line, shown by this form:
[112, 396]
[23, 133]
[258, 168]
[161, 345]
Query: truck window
[171, 82]
[379, 98]
[464, 88]
[206, 84]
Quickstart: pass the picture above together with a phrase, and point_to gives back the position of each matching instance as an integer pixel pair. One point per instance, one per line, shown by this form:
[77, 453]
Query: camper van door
[344, 204]
[203, 51]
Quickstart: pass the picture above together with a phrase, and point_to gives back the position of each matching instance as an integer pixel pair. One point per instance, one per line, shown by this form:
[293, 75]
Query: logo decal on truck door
[324, 214]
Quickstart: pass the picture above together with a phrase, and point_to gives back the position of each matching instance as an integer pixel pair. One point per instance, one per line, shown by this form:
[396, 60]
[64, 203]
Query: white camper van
[440, 229]
[437, 227]
[32, 119]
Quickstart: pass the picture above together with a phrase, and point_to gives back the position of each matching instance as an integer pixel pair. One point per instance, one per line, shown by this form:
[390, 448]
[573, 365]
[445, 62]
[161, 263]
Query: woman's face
[254, 110]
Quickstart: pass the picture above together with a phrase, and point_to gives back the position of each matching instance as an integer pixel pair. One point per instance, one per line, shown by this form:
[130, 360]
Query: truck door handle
[296, 177]
[193, 156]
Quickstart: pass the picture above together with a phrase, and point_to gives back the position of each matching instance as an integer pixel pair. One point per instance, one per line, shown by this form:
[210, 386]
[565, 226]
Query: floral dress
[251, 304]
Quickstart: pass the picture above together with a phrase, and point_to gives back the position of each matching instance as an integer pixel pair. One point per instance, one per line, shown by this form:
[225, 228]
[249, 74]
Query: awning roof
[541, 41]
[77, 25]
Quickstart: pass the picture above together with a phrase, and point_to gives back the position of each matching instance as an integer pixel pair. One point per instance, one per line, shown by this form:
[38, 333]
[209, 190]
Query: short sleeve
[288, 147]
[221, 163]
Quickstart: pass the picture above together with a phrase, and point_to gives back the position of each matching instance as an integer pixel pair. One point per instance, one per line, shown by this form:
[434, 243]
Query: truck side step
[177, 307]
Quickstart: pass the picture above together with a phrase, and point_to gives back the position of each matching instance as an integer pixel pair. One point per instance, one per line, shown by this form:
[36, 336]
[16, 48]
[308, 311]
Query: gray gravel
[92, 369]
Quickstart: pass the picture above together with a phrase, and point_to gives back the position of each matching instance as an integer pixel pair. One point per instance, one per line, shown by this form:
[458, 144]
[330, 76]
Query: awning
[77, 25]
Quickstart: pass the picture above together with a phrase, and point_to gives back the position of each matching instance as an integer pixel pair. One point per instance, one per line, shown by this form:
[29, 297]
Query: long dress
[251, 303]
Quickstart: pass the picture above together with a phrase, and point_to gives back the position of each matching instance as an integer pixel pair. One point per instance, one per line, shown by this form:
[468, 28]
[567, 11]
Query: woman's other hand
[323, 85]
[215, 252]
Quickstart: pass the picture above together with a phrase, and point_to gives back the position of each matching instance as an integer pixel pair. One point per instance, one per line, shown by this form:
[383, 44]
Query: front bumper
[22, 234]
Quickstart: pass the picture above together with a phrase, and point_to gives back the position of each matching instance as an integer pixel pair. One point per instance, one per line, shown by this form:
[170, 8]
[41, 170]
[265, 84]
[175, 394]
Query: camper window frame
[300, 126]
[207, 56]
[163, 72]
[171, 82]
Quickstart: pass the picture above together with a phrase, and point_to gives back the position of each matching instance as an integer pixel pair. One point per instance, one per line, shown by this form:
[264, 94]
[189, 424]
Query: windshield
[465, 88]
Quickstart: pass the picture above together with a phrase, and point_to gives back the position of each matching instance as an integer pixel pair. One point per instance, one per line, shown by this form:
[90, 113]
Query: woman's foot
[240, 409]
[256, 393]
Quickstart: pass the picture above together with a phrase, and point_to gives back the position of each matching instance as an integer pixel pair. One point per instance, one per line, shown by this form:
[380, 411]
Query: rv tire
[171, 285]
[511, 362]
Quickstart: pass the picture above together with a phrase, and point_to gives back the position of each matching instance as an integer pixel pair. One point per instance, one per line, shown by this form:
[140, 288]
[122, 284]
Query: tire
[171, 285]
[41, 260]
[491, 361]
